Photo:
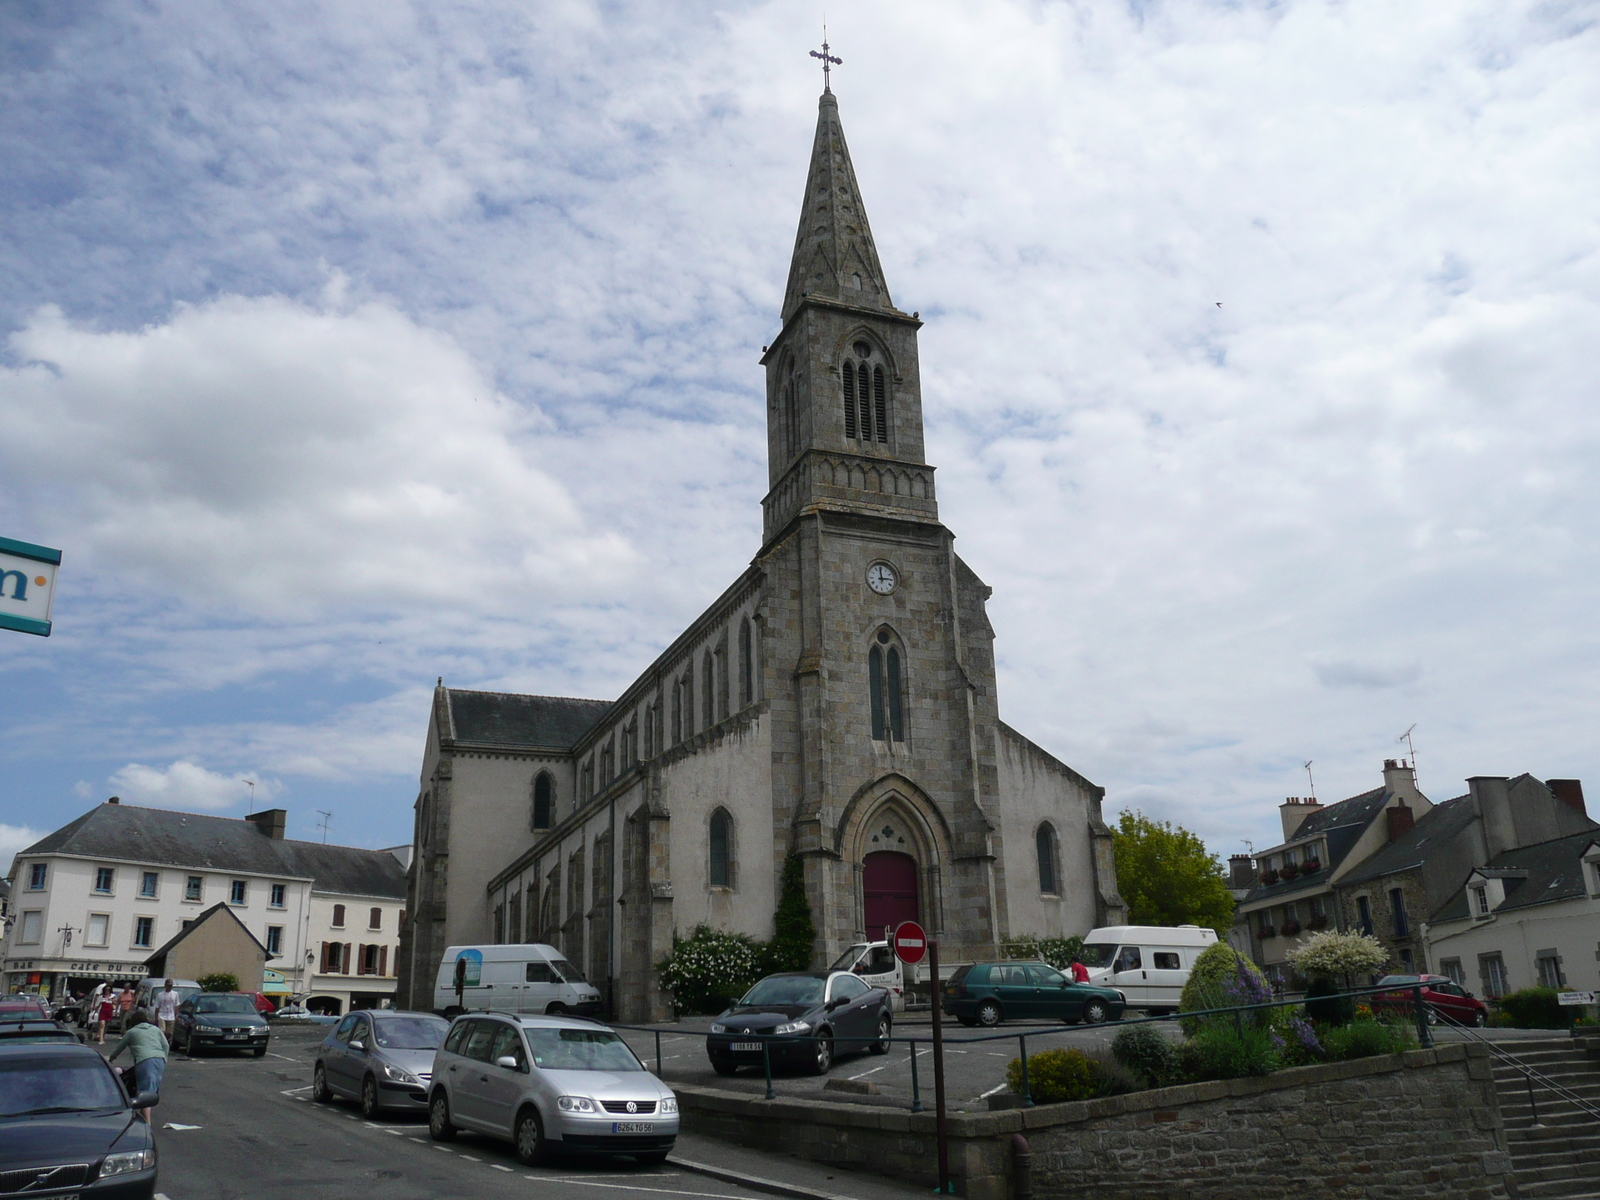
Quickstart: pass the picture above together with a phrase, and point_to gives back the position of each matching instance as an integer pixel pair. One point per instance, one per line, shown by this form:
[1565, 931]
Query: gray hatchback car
[548, 1082]
[382, 1057]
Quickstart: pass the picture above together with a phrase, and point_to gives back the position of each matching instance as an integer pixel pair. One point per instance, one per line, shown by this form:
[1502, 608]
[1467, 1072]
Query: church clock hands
[881, 578]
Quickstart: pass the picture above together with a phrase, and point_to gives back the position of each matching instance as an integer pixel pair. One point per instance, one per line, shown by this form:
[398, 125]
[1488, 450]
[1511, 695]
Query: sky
[345, 347]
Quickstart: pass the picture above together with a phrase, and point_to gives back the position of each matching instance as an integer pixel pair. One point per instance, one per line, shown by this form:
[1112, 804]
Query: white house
[99, 895]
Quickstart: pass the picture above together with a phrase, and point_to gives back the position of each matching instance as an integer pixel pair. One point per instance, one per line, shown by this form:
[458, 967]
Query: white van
[512, 979]
[1149, 964]
[876, 966]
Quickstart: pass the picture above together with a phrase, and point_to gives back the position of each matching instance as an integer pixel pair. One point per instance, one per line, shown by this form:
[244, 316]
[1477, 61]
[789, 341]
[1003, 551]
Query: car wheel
[1433, 1016]
[260, 1051]
[532, 1149]
[988, 1013]
[969, 1022]
[1095, 1012]
[451, 1013]
[556, 1009]
[885, 1029]
[439, 1127]
[823, 1058]
[319, 1086]
[724, 1066]
[1480, 1019]
[369, 1097]
[653, 1158]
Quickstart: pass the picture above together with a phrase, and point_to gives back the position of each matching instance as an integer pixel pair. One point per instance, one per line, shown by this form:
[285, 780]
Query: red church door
[889, 884]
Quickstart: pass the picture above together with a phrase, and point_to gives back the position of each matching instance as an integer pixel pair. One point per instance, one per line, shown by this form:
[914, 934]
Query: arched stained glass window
[544, 801]
[720, 873]
[747, 679]
[884, 690]
[1045, 839]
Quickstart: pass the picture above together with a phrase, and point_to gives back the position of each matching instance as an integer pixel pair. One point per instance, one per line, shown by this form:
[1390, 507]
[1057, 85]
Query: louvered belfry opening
[866, 398]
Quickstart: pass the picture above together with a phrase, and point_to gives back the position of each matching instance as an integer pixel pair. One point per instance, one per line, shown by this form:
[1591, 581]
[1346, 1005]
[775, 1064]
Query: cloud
[12, 839]
[185, 784]
[1366, 675]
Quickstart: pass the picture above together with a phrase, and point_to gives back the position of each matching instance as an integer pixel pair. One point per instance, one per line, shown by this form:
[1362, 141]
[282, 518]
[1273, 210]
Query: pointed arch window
[1049, 864]
[747, 679]
[544, 801]
[884, 689]
[880, 405]
[865, 389]
[847, 377]
[720, 869]
[708, 700]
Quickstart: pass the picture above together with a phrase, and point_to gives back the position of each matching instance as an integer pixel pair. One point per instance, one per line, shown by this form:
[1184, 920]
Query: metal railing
[1530, 1074]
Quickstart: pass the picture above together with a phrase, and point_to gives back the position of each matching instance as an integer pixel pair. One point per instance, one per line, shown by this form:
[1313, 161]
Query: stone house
[1391, 894]
[1529, 916]
[215, 942]
[1294, 895]
[836, 701]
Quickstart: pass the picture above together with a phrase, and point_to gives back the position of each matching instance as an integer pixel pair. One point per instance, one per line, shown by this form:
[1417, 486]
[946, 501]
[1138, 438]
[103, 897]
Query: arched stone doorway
[888, 890]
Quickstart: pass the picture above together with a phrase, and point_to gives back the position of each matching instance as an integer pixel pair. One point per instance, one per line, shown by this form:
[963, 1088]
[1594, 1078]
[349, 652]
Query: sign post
[27, 586]
[910, 943]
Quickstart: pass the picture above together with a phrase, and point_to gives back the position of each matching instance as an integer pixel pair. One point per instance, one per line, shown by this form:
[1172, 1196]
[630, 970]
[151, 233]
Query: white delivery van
[512, 979]
[876, 966]
[1149, 964]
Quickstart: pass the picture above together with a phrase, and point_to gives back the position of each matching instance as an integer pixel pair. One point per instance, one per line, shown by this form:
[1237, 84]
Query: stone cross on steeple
[828, 60]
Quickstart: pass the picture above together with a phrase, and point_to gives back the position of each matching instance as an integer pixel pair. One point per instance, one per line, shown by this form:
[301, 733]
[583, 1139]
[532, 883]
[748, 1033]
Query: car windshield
[224, 1004]
[56, 1084]
[848, 959]
[410, 1033]
[1388, 980]
[785, 989]
[567, 971]
[1097, 954]
[580, 1050]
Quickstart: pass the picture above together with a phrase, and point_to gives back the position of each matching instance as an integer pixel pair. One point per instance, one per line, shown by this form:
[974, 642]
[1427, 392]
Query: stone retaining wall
[1420, 1124]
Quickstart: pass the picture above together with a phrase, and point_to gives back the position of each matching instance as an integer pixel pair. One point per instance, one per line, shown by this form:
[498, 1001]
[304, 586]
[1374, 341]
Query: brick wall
[1420, 1124]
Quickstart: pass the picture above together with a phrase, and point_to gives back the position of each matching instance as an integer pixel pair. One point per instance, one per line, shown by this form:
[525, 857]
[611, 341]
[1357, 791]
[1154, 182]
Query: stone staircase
[1559, 1157]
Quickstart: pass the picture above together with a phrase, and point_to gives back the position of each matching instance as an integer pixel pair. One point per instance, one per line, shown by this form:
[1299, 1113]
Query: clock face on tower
[881, 578]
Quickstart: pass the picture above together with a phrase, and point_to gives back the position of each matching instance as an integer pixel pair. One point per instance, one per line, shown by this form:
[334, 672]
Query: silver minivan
[548, 1082]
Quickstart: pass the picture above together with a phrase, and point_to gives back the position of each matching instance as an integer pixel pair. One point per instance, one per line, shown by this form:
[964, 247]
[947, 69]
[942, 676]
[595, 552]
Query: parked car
[530, 978]
[549, 1082]
[22, 1008]
[1448, 1002]
[988, 993]
[805, 1018]
[15, 1032]
[1148, 964]
[220, 1021]
[877, 966]
[263, 1003]
[67, 1127]
[384, 1058]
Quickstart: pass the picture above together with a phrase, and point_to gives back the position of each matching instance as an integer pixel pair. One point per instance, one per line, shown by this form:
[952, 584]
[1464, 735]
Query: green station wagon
[988, 993]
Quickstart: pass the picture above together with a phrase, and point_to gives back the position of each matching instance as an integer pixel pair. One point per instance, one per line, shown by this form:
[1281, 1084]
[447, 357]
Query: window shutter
[345, 960]
[880, 404]
[864, 401]
[383, 961]
[849, 377]
[323, 966]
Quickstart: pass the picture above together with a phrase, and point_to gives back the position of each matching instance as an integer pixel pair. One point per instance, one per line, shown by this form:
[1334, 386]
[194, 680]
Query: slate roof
[197, 841]
[509, 719]
[1340, 826]
[1435, 827]
[1538, 874]
[192, 925]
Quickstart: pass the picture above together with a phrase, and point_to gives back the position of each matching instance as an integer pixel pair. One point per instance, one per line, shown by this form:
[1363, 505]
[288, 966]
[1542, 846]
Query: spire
[834, 257]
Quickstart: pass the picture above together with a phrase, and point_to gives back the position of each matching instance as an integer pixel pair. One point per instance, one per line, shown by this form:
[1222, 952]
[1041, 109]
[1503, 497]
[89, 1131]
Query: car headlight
[794, 1027]
[133, 1160]
[395, 1075]
[715, 1028]
[670, 1104]
[576, 1104]
[207, 1029]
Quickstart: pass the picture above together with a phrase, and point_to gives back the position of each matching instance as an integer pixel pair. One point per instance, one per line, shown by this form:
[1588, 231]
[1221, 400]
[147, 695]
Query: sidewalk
[785, 1175]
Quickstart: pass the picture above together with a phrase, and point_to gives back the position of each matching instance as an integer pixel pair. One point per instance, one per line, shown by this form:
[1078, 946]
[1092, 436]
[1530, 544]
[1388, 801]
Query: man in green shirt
[148, 1046]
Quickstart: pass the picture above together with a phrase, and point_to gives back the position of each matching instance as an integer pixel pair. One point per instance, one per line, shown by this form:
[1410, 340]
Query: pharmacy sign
[27, 586]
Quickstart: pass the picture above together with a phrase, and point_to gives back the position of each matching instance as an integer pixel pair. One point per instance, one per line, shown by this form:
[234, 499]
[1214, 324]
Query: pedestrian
[167, 1009]
[148, 1045]
[103, 1010]
[125, 1002]
[1080, 973]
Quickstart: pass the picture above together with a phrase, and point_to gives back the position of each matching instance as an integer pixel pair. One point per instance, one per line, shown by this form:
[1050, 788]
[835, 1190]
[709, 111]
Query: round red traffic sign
[909, 942]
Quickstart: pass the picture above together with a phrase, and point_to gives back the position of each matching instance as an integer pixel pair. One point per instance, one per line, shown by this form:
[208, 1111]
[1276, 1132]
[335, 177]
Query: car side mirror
[146, 1100]
[358, 1045]
[507, 1060]
[837, 1002]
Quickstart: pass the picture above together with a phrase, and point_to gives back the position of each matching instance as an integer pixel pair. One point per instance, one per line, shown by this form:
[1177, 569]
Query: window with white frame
[105, 880]
[277, 895]
[1452, 968]
[97, 932]
[1480, 901]
[275, 940]
[194, 888]
[238, 890]
[1548, 965]
[37, 873]
[1492, 970]
[144, 932]
[149, 882]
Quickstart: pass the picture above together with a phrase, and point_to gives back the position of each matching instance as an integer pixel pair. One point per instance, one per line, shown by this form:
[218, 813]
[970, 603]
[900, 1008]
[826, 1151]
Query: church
[837, 701]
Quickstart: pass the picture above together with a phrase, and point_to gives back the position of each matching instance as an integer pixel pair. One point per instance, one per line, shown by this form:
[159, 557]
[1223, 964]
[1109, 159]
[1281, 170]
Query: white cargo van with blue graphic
[512, 979]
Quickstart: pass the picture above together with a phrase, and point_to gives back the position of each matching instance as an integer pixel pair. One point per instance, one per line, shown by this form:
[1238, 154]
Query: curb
[755, 1182]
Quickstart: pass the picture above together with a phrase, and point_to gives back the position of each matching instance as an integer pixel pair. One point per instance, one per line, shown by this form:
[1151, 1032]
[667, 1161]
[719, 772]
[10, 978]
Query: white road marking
[174, 1125]
[628, 1187]
[419, 1141]
[999, 1087]
[498, 1167]
[864, 1074]
[396, 1132]
[285, 1057]
[370, 1125]
[469, 1158]
[292, 1091]
[443, 1149]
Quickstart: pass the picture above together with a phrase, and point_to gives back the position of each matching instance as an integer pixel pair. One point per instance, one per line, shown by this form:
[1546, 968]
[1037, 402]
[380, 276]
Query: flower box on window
[1289, 871]
[1311, 866]
[1318, 921]
[1268, 931]
[1289, 928]
[1269, 878]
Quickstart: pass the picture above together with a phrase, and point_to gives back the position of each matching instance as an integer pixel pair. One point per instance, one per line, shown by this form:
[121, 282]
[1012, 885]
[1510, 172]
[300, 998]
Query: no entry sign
[909, 942]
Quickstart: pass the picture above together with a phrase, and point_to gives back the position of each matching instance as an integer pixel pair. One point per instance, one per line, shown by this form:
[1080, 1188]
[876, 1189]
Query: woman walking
[149, 1049]
[103, 1009]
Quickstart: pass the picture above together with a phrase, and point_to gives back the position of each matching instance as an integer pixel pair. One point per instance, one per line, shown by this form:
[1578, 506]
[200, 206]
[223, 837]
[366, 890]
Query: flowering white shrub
[1057, 951]
[1335, 954]
[710, 968]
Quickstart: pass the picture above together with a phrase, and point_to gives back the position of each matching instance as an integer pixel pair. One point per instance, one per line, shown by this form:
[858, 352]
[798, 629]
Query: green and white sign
[27, 586]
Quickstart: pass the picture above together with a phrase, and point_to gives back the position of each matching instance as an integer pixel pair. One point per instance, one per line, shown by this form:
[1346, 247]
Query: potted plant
[1289, 928]
[1268, 878]
[1311, 866]
[1290, 871]
[1268, 931]
[1318, 921]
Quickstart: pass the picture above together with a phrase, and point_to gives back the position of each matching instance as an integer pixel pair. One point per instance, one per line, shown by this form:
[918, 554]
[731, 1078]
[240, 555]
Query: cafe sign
[27, 586]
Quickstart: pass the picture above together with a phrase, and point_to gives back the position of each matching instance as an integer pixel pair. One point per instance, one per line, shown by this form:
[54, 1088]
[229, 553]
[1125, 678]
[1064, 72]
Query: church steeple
[834, 257]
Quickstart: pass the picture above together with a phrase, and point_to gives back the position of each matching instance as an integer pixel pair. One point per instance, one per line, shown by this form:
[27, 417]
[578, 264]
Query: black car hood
[53, 1138]
[765, 1016]
[230, 1020]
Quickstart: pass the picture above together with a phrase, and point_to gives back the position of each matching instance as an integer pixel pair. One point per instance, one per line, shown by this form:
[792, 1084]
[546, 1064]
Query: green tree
[793, 933]
[1168, 877]
[221, 981]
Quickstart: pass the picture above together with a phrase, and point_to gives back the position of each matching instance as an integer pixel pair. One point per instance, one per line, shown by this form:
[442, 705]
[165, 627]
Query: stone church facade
[837, 701]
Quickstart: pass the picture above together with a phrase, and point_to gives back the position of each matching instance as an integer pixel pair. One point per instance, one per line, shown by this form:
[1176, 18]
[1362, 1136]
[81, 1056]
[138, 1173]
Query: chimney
[1241, 872]
[118, 800]
[1399, 777]
[1569, 792]
[1400, 820]
[1494, 810]
[271, 822]
[1294, 811]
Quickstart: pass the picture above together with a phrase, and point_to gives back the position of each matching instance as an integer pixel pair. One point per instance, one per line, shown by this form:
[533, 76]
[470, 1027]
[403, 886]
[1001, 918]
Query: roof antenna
[323, 824]
[828, 60]
[1406, 738]
[1309, 776]
[252, 784]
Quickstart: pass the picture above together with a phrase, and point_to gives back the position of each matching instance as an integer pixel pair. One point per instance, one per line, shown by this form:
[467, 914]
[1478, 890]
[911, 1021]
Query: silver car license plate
[633, 1127]
[756, 1046]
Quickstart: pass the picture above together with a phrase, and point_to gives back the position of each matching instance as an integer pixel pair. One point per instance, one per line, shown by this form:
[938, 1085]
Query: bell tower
[844, 394]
